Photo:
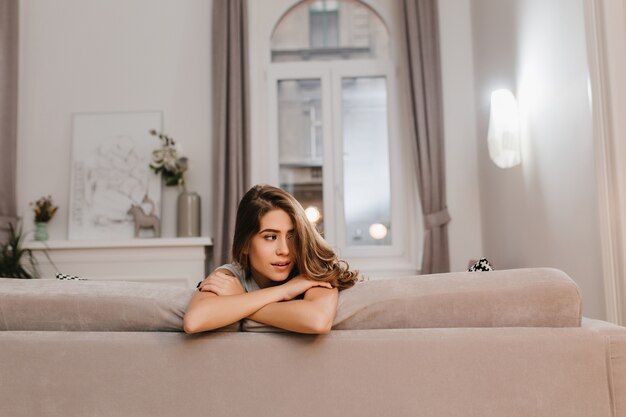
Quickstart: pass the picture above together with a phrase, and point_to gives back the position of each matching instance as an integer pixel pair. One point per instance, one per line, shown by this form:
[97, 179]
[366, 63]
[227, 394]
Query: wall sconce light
[504, 129]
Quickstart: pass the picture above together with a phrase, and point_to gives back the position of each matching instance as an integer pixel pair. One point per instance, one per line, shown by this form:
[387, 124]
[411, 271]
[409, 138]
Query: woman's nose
[282, 247]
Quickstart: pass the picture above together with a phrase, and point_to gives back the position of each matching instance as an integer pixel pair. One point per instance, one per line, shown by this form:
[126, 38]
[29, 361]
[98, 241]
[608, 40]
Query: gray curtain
[423, 63]
[230, 120]
[8, 111]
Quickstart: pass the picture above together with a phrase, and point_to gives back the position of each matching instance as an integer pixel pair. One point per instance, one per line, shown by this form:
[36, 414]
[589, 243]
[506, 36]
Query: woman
[278, 256]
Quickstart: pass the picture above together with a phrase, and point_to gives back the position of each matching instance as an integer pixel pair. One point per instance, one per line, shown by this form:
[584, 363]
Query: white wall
[89, 56]
[92, 56]
[115, 55]
[545, 211]
[462, 192]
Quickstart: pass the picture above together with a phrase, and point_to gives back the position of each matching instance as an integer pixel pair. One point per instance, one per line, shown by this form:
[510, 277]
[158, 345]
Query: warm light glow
[378, 231]
[313, 214]
[504, 129]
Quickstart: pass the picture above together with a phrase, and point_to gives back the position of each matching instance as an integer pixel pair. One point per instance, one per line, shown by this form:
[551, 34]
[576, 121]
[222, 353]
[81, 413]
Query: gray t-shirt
[248, 283]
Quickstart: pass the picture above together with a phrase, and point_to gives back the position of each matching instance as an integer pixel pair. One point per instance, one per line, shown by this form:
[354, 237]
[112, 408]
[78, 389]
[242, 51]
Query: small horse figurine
[144, 221]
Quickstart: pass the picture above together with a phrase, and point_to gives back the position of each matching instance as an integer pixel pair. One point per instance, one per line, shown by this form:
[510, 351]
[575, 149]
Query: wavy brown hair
[315, 259]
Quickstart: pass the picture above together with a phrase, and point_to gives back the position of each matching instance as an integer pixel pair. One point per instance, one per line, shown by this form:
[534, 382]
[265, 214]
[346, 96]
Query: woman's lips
[281, 266]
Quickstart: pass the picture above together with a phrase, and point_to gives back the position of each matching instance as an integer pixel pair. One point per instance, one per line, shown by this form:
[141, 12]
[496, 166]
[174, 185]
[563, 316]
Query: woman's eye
[290, 236]
[270, 237]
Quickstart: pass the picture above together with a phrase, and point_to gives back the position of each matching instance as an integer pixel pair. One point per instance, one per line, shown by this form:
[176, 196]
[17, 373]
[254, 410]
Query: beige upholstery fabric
[616, 360]
[513, 298]
[577, 371]
[488, 372]
[540, 297]
[248, 325]
[91, 305]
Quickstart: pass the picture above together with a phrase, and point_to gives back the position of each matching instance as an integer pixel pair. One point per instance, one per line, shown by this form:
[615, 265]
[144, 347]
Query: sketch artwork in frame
[111, 155]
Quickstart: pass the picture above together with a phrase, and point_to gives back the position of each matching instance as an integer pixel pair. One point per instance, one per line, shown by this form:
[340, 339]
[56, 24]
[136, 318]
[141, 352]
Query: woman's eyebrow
[274, 231]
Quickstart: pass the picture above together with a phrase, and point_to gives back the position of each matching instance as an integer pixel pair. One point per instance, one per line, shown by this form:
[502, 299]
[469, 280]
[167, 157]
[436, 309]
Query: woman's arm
[223, 301]
[207, 311]
[314, 314]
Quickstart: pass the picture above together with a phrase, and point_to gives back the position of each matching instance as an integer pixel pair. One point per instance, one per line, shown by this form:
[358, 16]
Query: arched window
[328, 80]
[329, 30]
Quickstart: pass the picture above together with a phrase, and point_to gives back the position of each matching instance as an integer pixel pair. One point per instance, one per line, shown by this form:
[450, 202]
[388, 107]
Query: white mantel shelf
[129, 243]
[179, 261]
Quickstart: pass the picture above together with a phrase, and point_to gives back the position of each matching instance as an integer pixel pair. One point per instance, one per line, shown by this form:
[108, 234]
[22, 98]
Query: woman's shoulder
[246, 281]
[234, 269]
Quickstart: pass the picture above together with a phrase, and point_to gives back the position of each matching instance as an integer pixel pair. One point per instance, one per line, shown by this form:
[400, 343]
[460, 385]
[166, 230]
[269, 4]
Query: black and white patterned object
[481, 265]
[69, 277]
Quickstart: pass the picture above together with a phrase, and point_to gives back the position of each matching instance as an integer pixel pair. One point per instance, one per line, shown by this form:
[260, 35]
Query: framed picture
[111, 155]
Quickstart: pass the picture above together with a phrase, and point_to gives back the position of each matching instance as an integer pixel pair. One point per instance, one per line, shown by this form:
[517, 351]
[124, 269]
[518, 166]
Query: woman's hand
[221, 282]
[300, 284]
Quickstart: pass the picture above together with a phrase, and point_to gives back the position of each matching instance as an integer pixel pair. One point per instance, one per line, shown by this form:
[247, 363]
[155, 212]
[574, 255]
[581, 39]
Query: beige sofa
[502, 343]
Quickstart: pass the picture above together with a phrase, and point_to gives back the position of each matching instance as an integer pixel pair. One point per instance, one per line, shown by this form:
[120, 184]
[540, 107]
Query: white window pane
[324, 29]
[367, 190]
[301, 144]
[329, 30]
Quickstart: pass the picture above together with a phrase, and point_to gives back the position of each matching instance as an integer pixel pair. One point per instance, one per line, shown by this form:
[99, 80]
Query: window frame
[404, 254]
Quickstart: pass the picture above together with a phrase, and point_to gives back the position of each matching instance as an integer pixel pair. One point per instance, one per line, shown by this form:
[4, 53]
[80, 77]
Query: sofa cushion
[538, 297]
[532, 297]
[249, 325]
[45, 304]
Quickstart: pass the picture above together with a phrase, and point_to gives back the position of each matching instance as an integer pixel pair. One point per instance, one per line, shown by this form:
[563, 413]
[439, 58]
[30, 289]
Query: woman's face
[271, 252]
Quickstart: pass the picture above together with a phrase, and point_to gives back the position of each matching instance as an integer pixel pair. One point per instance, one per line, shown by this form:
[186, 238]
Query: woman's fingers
[222, 284]
[209, 287]
[320, 284]
[215, 277]
[216, 287]
[301, 284]
[214, 282]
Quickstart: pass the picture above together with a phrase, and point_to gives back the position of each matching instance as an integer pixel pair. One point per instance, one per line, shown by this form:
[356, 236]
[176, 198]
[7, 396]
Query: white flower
[157, 158]
[167, 162]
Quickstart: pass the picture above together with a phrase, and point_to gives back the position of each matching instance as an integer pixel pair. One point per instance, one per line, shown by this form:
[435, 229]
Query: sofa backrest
[510, 298]
[49, 304]
[532, 297]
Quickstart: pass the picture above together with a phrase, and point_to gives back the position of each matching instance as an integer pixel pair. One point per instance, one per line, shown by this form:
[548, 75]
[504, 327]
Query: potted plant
[15, 261]
[44, 209]
[167, 162]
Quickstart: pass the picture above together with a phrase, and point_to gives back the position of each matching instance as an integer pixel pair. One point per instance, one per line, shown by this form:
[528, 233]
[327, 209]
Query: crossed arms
[223, 301]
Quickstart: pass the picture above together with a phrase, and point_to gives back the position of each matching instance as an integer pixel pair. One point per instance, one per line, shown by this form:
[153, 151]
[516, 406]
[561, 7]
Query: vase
[41, 231]
[188, 214]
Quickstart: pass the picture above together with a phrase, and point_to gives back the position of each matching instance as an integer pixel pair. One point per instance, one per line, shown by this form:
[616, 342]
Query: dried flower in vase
[44, 209]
